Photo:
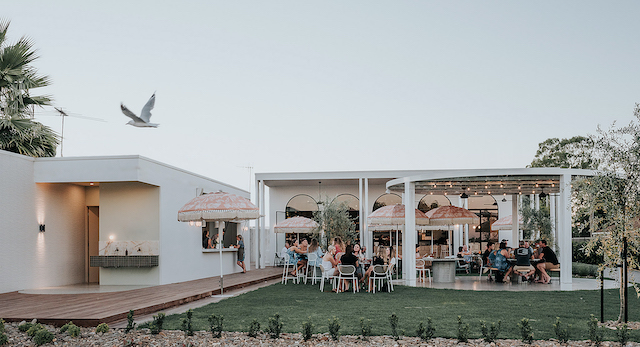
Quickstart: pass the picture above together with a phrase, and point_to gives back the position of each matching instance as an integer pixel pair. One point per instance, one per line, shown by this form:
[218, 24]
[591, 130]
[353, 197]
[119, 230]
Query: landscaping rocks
[143, 337]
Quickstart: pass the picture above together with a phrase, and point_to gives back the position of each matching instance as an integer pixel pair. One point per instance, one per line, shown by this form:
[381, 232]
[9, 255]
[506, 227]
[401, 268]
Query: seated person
[300, 253]
[284, 252]
[500, 262]
[358, 253]
[523, 255]
[548, 261]
[314, 248]
[329, 262]
[485, 256]
[348, 258]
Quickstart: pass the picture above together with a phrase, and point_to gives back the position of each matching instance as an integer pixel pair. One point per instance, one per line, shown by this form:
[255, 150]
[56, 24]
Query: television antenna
[64, 114]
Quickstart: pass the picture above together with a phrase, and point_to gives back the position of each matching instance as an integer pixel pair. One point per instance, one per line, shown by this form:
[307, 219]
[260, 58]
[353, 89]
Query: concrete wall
[29, 258]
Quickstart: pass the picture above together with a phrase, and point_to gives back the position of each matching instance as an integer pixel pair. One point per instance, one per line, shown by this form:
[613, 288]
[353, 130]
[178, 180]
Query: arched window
[429, 202]
[301, 205]
[386, 200]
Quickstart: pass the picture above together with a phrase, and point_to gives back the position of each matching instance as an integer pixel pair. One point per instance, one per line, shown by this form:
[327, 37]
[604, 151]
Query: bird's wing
[145, 114]
[130, 114]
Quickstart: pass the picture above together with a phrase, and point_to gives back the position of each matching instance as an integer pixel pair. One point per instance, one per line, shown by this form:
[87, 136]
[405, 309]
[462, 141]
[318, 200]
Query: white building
[56, 213]
[491, 192]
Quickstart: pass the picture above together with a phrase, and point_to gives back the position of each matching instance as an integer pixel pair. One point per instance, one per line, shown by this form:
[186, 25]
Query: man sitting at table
[523, 255]
[485, 256]
[549, 261]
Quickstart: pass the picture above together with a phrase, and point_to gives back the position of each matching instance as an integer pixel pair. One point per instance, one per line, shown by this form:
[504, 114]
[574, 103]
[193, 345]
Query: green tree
[576, 152]
[536, 220]
[615, 190]
[18, 132]
[333, 218]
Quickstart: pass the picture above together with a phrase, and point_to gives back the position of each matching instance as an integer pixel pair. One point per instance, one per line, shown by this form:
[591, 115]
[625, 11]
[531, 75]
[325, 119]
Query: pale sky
[333, 85]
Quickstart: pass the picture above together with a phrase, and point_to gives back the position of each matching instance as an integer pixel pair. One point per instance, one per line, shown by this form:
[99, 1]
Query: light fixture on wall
[41, 228]
[464, 195]
[543, 194]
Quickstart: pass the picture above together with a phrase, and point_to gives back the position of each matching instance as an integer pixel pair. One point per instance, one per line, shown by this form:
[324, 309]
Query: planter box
[123, 260]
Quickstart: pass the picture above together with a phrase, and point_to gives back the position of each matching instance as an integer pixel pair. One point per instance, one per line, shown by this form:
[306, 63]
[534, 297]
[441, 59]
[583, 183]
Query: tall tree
[615, 190]
[18, 132]
[576, 152]
[334, 220]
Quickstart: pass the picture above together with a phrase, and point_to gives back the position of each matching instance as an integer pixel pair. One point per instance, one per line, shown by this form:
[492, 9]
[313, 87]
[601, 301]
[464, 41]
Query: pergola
[555, 182]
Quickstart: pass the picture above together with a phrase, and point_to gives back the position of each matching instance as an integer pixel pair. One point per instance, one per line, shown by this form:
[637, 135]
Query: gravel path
[117, 337]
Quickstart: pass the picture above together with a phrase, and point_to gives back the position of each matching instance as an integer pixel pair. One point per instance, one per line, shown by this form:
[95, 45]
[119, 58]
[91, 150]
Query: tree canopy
[576, 152]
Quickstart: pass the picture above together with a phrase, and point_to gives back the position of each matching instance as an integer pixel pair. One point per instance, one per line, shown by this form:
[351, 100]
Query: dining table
[443, 269]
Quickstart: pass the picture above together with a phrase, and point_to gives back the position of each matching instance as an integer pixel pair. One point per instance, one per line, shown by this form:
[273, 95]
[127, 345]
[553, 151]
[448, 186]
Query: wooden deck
[92, 309]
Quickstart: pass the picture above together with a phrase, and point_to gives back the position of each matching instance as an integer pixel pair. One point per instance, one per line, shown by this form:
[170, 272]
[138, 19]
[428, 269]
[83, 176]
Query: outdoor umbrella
[297, 225]
[393, 215]
[505, 223]
[451, 215]
[218, 207]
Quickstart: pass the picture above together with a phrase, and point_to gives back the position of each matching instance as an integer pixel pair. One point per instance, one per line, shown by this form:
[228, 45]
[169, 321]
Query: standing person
[523, 256]
[548, 261]
[206, 239]
[240, 247]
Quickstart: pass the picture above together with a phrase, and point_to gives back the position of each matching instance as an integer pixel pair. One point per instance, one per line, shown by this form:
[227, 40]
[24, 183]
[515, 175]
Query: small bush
[102, 328]
[187, 325]
[215, 325]
[43, 336]
[622, 334]
[307, 330]
[393, 322]
[334, 328]
[24, 327]
[562, 333]
[74, 331]
[365, 328]
[254, 328]
[526, 331]
[1, 325]
[34, 329]
[489, 334]
[130, 324]
[3, 339]
[275, 326]
[463, 330]
[595, 333]
[157, 323]
[426, 333]
[584, 270]
[64, 328]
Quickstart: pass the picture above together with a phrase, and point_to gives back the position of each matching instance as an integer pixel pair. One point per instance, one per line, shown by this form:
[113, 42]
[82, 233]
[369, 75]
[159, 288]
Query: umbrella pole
[220, 238]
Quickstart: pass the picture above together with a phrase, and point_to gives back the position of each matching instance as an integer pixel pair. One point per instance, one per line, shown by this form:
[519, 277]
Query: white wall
[29, 258]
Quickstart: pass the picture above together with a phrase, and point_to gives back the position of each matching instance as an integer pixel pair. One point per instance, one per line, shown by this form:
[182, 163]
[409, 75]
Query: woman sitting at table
[300, 252]
[501, 263]
[314, 248]
[378, 259]
[329, 262]
[339, 245]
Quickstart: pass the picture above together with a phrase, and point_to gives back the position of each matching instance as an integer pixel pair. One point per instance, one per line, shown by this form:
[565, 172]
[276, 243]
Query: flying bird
[145, 114]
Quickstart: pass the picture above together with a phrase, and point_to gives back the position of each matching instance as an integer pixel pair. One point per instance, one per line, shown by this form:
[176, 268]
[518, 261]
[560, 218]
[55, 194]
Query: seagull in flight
[145, 114]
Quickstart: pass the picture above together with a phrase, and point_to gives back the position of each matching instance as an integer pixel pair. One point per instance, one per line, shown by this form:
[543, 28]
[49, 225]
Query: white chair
[481, 266]
[286, 272]
[313, 264]
[423, 270]
[378, 276]
[347, 273]
[390, 269]
[278, 260]
[462, 265]
[325, 277]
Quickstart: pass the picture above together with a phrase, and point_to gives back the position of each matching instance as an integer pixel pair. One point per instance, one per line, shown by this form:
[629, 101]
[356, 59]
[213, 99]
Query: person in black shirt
[523, 255]
[485, 256]
[548, 261]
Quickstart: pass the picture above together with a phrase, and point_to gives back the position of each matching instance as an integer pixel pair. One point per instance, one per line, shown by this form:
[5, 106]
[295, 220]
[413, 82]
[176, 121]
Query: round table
[443, 270]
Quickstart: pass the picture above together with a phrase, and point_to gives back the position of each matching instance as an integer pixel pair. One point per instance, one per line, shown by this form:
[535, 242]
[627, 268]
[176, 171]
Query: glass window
[386, 200]
[301, 205]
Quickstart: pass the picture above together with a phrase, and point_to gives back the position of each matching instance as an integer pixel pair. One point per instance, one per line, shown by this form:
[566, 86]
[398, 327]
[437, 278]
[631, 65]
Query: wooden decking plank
[91, 308]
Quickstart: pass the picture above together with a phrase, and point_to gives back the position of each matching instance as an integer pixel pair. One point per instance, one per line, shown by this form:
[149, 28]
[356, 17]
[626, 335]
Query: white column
[465, 204]
[262, 231]
[553, 215]
[564, 232]
[256, 232]
[514, 221]
[409, 233]
[360, 212]
[365, 208]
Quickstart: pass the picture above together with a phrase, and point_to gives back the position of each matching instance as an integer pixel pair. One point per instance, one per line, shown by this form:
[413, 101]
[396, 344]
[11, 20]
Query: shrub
[595, 333]
[463, 330]
[254, 328]
[307, 330]
[24, 327]
[156, 325]
[562, 333]
[426, 333]
[3, 339]
[489, 334]
[334, 328]
[215, 325]
[187, 325]
[102, 328]
[393, 321]
[130, 324]
[1, 325]
[43, 336]
[584, 270]
[66, 326]
[622, 333]
[275, 326]
[71, 329]
[526, 331]
[365, 328]
[580, 256]
[34, 329]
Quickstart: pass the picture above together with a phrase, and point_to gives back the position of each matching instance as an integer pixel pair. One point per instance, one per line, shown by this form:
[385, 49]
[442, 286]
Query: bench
[554, 270]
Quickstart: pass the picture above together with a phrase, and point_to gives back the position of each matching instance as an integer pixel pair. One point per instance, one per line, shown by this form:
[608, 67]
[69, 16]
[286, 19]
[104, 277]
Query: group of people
[337, 254]
[209, 242]
[523, 255]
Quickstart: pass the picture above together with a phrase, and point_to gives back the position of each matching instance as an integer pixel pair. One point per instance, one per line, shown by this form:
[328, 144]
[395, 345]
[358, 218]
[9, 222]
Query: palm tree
[18, 132]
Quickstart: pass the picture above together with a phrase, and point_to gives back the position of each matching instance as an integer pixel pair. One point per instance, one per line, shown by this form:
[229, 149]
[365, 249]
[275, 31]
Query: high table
[444, 270]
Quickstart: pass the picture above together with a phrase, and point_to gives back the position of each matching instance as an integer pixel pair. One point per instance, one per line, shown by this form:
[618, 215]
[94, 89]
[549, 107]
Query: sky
[287, 86]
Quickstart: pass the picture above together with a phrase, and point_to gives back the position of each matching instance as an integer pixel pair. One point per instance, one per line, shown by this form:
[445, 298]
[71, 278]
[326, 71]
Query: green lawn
[297, 303]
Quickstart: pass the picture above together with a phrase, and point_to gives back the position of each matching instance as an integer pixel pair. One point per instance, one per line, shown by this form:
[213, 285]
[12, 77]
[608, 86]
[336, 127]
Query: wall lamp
[41, 227]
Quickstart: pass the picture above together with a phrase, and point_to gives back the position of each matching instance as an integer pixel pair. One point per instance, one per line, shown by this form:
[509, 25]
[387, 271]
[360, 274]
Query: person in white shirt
[283, 252]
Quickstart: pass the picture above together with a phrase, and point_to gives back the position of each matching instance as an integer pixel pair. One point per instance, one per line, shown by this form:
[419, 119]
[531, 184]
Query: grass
[299, 303]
